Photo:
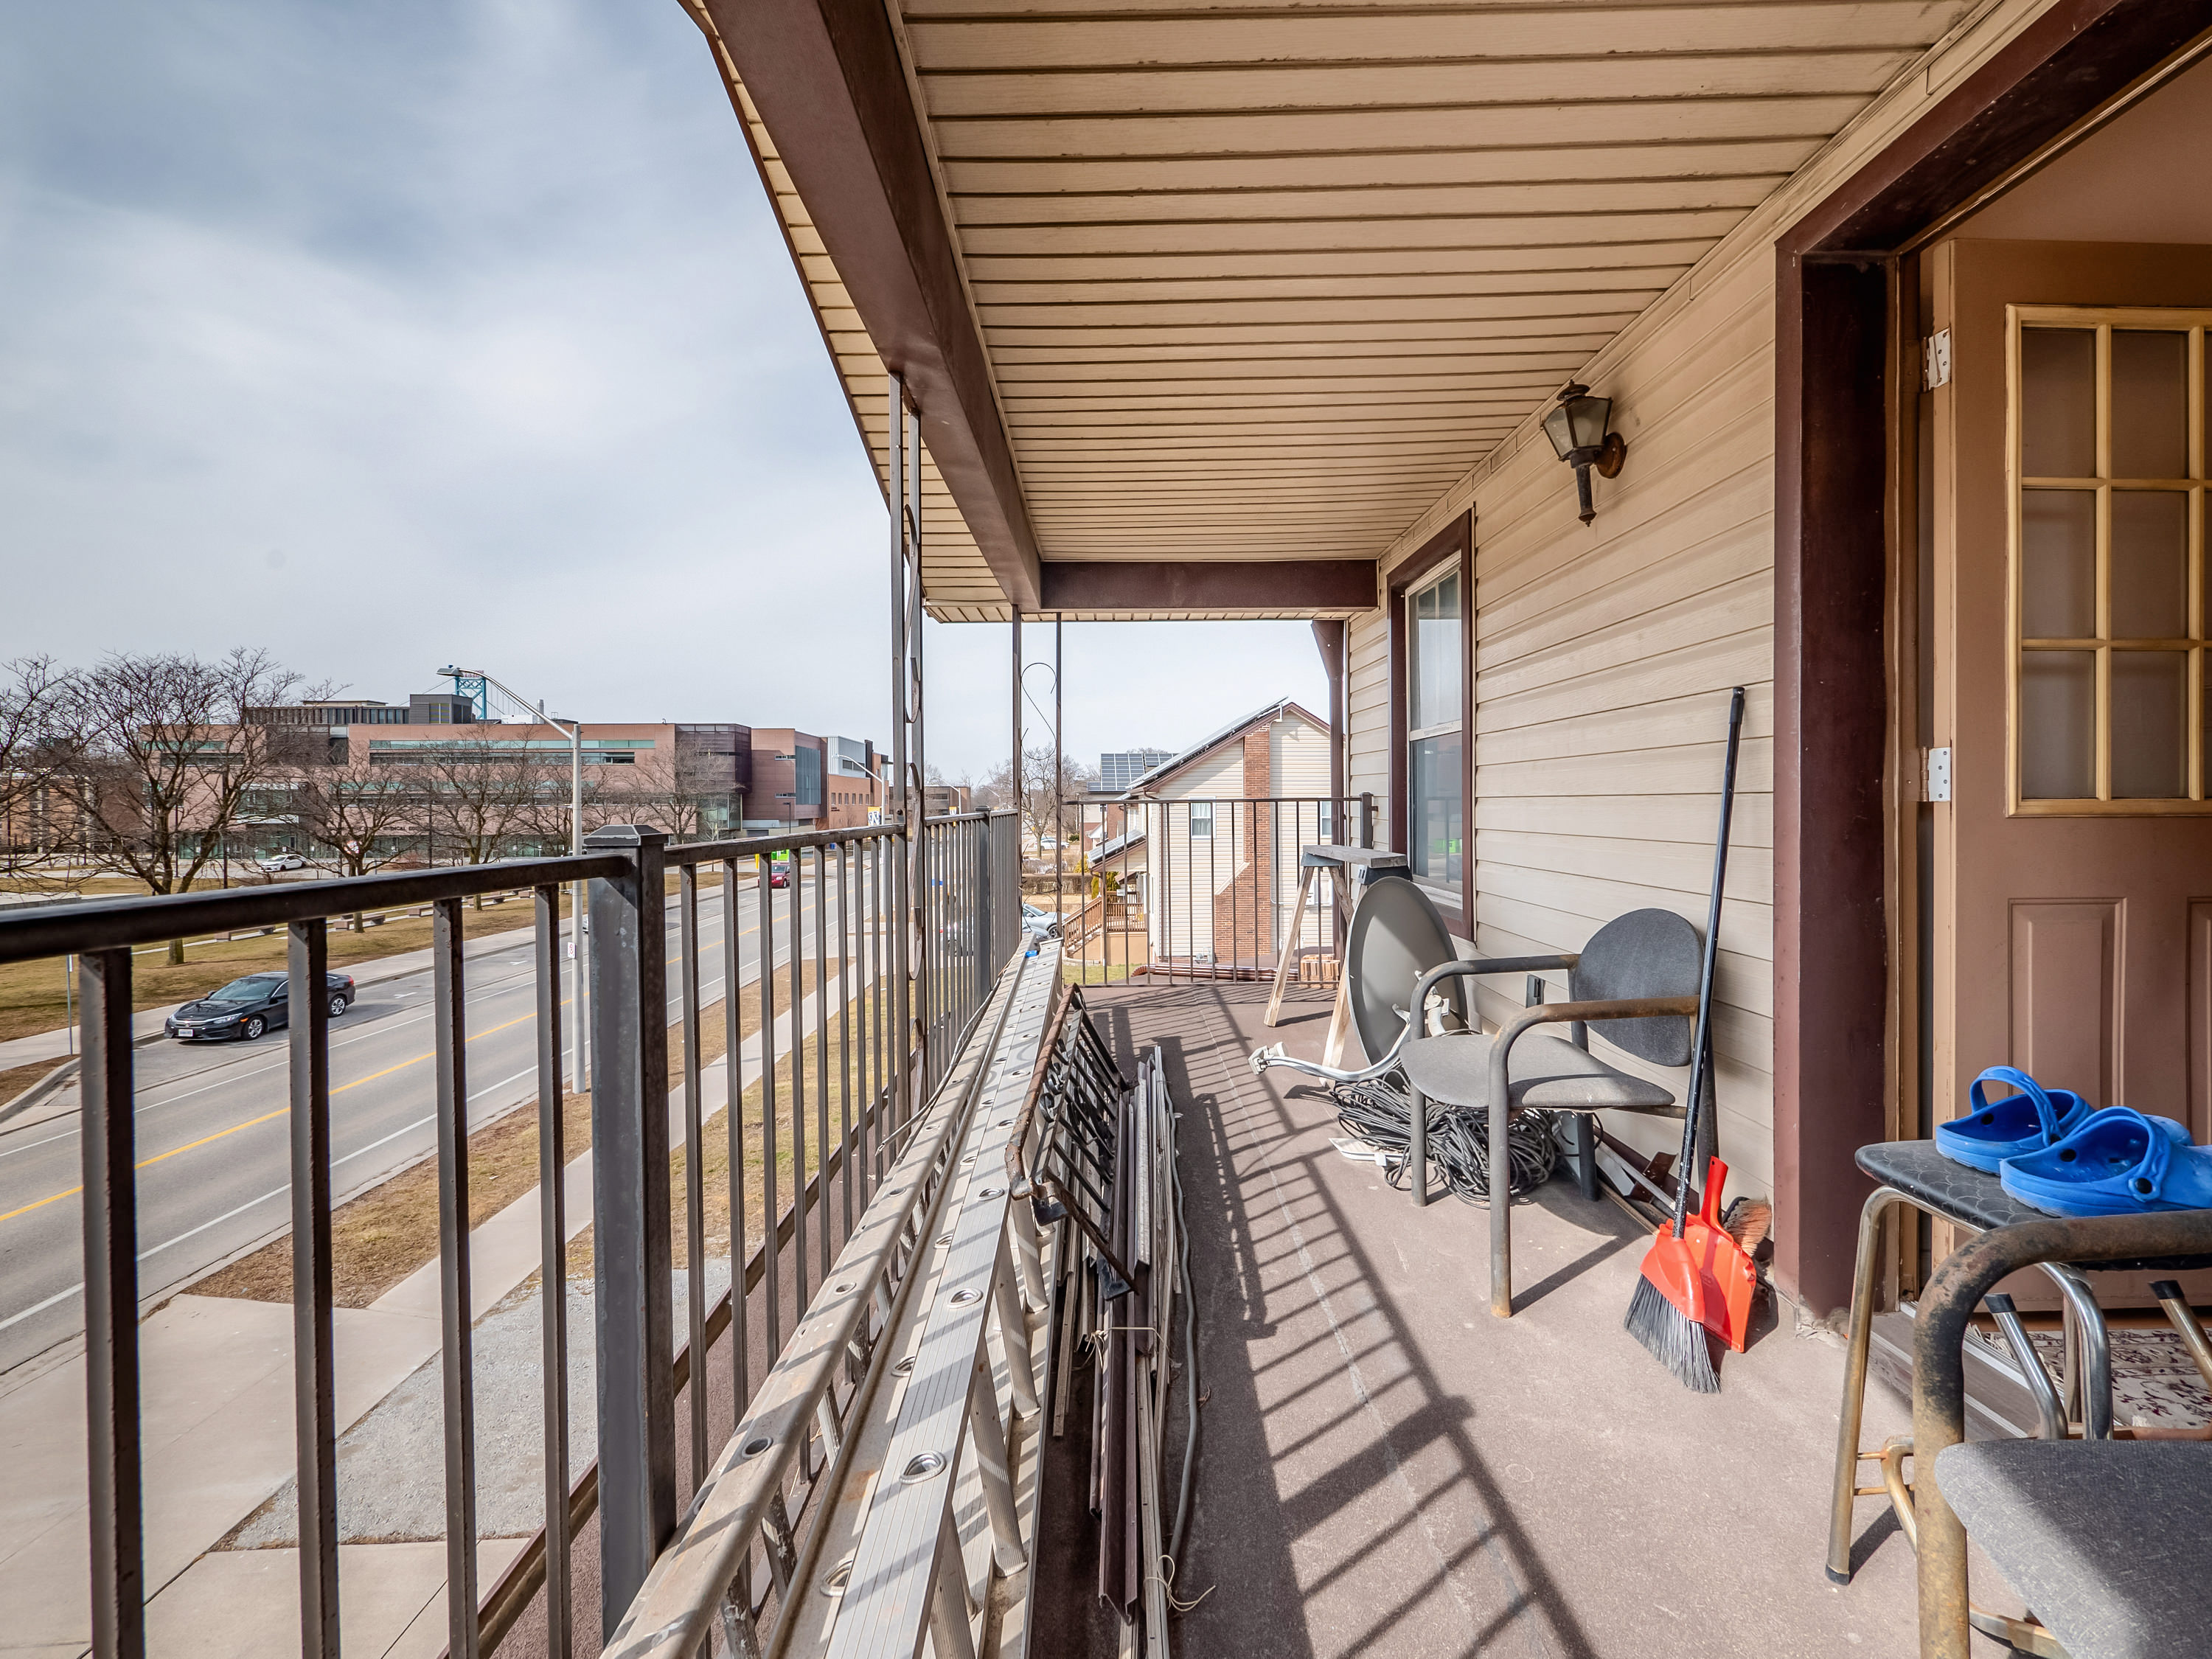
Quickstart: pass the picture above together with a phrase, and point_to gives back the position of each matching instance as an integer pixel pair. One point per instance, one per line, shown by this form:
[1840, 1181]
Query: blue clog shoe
[2117, 1163]
[2028, 1121]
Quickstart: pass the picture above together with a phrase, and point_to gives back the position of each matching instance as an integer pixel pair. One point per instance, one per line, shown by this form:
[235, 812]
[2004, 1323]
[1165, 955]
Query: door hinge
[1936, 774]
[1935, 359]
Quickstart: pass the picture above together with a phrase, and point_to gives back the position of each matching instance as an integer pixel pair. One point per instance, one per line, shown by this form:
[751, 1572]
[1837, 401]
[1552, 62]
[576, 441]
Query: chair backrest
[1396, 937]
[1645, 953]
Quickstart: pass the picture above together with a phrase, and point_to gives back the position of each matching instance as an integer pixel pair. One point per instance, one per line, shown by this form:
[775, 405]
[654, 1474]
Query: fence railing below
[1203, 889]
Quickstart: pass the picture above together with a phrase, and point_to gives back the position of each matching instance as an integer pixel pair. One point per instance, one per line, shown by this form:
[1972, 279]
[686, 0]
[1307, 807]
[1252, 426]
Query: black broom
[1666, 1314]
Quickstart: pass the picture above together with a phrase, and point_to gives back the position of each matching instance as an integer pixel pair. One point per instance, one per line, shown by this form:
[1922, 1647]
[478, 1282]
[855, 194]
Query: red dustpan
[1706, 1273]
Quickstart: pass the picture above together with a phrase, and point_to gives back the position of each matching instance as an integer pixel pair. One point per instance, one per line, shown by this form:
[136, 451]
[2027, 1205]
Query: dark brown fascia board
[828, 81]
[2065, 63]
[1154, 585]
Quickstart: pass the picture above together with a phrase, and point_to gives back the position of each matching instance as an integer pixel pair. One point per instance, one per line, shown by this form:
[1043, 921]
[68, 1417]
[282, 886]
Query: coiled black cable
[1380, 1112]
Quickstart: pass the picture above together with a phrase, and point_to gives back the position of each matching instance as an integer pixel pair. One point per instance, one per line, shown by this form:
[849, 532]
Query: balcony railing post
[314, 1389]
[630, 1251]
[107, 1137]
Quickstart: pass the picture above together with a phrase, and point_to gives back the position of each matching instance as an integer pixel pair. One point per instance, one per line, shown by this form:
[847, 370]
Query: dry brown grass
[381, 1237]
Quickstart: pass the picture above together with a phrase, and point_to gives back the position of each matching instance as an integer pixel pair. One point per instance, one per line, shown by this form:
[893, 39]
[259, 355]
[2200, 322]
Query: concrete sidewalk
[218, 1443]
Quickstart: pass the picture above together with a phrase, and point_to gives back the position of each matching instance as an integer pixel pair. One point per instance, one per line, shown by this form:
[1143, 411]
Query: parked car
[779, 872]
[1043, 924]
[246, 1007]
[281, 862]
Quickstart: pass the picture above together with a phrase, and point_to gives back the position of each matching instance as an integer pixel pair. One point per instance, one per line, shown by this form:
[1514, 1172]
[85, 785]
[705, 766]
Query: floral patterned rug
[2155, 1383]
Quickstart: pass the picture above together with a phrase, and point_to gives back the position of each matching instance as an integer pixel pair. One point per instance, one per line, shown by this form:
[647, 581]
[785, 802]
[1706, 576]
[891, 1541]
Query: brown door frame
[1837, 362]
[1455, 541]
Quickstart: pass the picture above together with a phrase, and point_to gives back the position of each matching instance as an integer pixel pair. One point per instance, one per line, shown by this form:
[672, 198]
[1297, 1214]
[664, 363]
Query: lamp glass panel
[1556, 429]
[1588, 416]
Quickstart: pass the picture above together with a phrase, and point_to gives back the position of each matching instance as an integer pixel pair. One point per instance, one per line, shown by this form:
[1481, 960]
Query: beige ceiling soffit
[1260, 282]
[1978, 35]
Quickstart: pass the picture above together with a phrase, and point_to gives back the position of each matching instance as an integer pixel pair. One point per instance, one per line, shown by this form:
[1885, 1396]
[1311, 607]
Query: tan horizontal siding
[1603, 657]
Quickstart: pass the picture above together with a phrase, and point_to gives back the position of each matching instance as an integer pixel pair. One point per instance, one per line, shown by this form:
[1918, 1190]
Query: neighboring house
[1208, 840]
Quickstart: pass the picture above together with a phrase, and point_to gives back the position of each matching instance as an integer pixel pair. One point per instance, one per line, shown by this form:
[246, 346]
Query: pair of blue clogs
[2056, 1153]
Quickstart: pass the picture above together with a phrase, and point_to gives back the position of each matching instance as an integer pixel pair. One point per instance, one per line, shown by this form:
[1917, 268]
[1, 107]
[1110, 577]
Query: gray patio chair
[1638, 976]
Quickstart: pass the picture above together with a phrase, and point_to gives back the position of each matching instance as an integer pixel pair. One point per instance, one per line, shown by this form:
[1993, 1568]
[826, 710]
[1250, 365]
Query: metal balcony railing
[907, 938]
[1205, 888]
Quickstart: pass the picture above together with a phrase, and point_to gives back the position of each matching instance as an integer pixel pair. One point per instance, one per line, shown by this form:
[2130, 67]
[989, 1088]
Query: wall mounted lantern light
[1577, 429]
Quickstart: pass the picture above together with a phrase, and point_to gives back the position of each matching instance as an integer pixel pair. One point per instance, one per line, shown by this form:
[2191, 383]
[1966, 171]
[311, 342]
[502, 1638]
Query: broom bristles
[1674, 1340]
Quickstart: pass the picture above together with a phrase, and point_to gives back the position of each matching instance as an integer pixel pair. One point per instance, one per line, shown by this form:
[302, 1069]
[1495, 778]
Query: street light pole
[575, 732]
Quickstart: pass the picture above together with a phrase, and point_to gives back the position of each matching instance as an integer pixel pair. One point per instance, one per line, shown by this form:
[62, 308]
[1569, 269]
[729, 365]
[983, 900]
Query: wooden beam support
[1154, 585]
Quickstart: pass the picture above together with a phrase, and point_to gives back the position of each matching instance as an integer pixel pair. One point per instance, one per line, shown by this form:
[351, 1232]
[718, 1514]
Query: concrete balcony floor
[1385, 1467]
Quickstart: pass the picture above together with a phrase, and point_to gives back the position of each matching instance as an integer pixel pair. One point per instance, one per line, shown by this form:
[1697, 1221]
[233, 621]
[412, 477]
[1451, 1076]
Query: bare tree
[480, 796]
[357, 815]
[1037, 792]
[158, 757]
[678, 793]
[30, 828]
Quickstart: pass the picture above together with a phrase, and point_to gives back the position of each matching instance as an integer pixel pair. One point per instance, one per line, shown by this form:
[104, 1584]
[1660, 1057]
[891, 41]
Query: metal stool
[1913, 1172]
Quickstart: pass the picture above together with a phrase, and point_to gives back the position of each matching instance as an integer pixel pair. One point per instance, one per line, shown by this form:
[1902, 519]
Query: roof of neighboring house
[1205, 746]
[1116, 848]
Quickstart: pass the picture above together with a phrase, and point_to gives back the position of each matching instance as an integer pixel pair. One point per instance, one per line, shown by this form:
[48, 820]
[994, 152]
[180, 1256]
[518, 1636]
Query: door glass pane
[2150, 565]
[1435, 819]
[2058, 402]
[2058, 564]
[2057, 709]
[2150, 404]
[1436, 647]
[2150, 724]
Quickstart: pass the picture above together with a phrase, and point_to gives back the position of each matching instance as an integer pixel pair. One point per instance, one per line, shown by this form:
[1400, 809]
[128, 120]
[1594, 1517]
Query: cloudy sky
[385, 336]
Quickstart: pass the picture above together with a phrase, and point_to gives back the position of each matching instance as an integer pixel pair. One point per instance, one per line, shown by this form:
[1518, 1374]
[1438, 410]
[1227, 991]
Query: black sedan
[246, 1007]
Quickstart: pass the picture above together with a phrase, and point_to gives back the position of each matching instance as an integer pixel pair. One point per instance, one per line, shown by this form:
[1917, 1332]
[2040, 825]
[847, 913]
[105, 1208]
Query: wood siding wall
[1603, 657]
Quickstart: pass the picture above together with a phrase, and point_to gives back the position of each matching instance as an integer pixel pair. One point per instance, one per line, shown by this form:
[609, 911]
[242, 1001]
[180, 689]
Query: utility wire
[1380, 1112]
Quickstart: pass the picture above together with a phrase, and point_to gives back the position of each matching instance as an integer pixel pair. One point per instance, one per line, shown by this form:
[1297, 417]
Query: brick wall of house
[1243, 925]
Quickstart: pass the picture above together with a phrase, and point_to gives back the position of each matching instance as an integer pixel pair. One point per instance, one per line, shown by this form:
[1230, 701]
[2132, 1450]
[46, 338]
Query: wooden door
[2072, 868]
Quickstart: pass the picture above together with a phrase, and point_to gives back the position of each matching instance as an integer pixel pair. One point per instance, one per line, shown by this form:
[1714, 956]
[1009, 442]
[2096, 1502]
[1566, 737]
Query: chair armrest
[1939, 1372]
[1474, 965]
[1619, 1008]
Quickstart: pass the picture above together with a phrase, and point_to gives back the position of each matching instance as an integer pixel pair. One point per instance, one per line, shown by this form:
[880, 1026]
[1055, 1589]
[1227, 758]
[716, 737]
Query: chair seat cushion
[2104, 1539]
[1545, 1073]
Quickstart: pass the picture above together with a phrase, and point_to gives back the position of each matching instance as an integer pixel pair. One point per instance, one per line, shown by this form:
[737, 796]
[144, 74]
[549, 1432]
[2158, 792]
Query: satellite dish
[1396, 937]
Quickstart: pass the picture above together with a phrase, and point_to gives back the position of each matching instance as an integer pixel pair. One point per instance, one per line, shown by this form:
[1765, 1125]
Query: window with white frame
[1435, 812]
[1201, 820]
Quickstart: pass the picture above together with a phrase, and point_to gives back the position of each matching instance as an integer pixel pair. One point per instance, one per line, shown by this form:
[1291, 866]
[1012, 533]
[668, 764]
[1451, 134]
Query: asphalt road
[214, 1134]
